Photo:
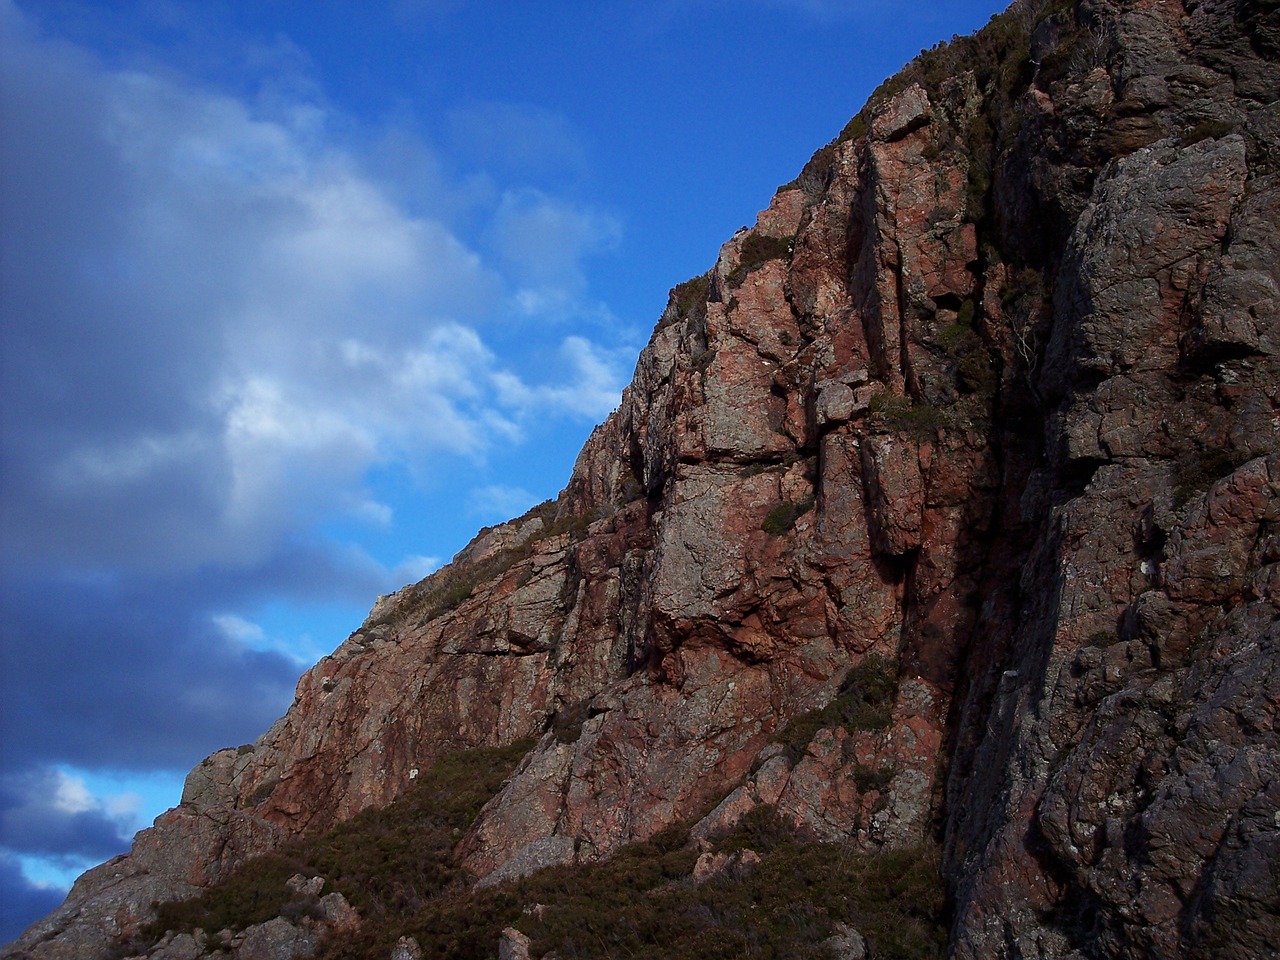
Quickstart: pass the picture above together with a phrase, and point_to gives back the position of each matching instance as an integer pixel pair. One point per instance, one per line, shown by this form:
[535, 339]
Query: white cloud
[591, 388]
[239, 630]
[224, 346]
[216, 322]
[70, 795]
[123, 806]
[372, 512]
[53, 815]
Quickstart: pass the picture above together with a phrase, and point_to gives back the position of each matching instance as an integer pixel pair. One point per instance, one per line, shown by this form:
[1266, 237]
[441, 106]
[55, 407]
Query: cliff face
[983, 410]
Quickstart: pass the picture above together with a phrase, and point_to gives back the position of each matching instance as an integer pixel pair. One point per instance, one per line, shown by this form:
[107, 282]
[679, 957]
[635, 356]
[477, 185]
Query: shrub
[964, 346]
[757, 250]
[691, 295]
[855, 128]
[568, 722]
[867, 778]
[385, 862]
[642, 904]
[864, 702]
[1208, 130]
[253, 894]
[701, 360]
[920, 420]
[783, 517]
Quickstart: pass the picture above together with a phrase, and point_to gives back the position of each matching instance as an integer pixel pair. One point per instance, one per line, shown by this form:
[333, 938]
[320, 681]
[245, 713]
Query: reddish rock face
[990, 394]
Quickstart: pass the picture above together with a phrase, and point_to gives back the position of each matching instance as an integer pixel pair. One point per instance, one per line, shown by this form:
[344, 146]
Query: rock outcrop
[967, 455]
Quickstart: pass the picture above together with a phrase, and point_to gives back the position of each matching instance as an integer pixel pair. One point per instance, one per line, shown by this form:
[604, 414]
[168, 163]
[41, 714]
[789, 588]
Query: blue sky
[296, 296]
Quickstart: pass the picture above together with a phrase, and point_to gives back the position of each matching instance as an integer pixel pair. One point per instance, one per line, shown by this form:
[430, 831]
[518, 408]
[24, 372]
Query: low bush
[757, 250]
[864, 702]
[1208, 130]
[974, 369]
[386, 862]
[691, 296]
[396, 865]
[919, 420]
[643, 904]
[783, 517]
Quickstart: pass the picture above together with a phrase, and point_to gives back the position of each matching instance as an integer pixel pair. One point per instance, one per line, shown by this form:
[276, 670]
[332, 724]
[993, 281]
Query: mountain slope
[942, 508]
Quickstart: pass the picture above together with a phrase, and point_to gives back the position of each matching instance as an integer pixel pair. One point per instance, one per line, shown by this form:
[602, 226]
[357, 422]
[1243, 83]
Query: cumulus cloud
[215, 323]
[592, 392]
[187, 289]
[412, 569]
[130, 677]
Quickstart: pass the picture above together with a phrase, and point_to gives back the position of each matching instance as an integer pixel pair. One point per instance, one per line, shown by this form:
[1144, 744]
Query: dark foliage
[783, 517]
[864, 702]
[757, 250]
[386, 862]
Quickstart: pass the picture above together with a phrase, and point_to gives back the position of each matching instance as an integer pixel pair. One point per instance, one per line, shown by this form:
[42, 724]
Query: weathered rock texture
[990, 391]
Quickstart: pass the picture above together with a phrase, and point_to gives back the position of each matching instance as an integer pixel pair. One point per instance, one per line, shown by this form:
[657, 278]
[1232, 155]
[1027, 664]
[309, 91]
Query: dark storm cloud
[117, 672]
[41, 813]
[21, 901]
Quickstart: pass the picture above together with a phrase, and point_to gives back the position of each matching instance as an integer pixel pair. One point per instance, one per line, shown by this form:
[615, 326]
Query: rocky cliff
[944, 507]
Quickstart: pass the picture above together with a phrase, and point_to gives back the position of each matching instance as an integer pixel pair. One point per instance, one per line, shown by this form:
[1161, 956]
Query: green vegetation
[385, 862]
[253, 894]
[446, 589]
[864, 702]
[397, 867]
[965, 347]
[632, 490]
[1103, 638]
[568, 722]
[1208, 130]
[999, 59]
[643, 903]
[691, 295]
[786, 907]
[1022, 289]
[757, 250]
[919, 420]
[855, 128]
[1020, 299]
[867, 778]
[783, 517]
